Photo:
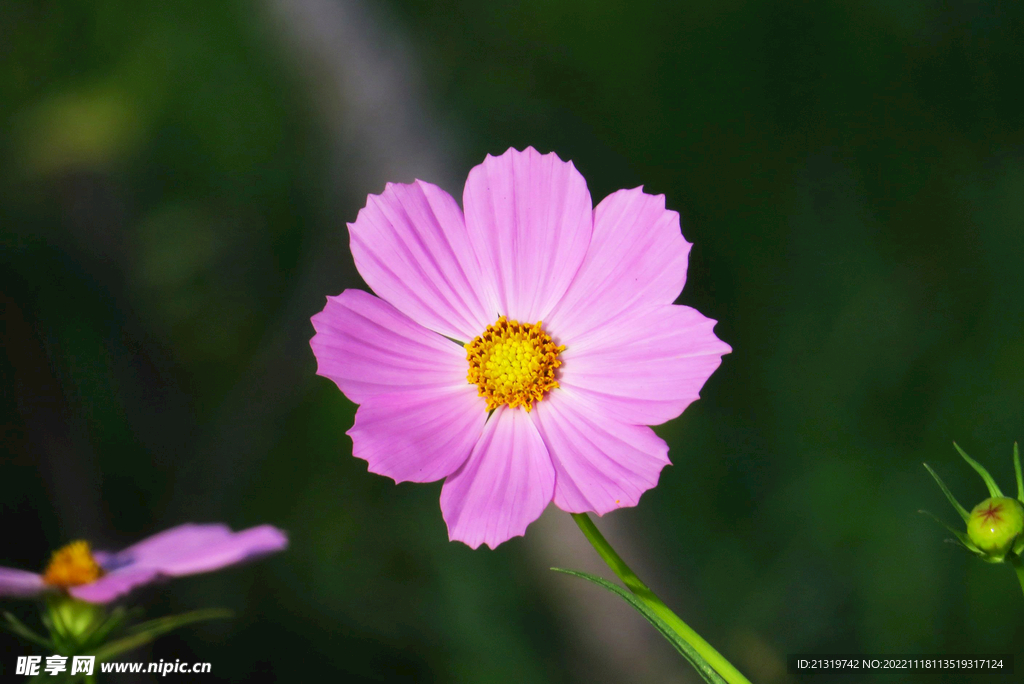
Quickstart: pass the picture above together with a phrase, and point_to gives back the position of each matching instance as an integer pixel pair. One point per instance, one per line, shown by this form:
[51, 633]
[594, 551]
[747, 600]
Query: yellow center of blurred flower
[72, 565]
[513, 363]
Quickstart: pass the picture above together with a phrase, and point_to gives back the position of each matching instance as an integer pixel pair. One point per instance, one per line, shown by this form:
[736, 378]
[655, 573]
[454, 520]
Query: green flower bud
[72, 619]
[995, 524]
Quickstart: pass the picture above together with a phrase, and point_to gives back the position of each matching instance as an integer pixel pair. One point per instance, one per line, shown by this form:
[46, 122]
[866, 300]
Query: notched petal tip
[659, 198]
[532, 152]
[475, 544]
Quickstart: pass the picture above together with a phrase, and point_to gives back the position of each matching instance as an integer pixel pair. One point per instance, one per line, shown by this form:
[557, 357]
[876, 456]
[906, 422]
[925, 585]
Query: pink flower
[518, 350]
[101, 577]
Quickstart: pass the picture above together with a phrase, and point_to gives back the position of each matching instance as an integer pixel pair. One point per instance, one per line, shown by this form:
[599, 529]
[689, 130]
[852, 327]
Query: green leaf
[703, 668]
[960, 536]
[949, 495]
[18, 628]
[144, 633]
[993, 488]
[1016, 470]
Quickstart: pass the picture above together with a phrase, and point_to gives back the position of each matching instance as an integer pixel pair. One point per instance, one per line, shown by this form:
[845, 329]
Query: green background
[174, 183]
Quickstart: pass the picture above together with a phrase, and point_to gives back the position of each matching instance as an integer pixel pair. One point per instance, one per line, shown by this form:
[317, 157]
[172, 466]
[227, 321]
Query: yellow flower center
[513, 363]
[72, 565]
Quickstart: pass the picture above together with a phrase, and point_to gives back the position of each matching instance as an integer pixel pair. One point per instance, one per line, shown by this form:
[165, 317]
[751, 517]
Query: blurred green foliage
[851, 176]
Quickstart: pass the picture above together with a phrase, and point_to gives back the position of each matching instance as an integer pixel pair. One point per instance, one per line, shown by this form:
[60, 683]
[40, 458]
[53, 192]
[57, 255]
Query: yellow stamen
[513, 363]
[72, 565]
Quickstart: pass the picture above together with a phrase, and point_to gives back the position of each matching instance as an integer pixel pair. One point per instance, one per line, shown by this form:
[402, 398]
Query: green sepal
[75, 624]
[961, 537]
[949, 495]
[18, 628]
[993, 488]
[702, 666]
[993, 559]
[1016, 470]
[144, 633]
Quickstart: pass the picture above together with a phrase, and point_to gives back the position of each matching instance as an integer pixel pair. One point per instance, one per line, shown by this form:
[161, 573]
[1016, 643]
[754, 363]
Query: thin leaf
[56, 624]
[703, 668]
[993, 488]
[18, 628]
[949, 495]
[170, 622]
[961, 537]
[61, 644]
[102, 630]
[1016, 470]
[142, 634]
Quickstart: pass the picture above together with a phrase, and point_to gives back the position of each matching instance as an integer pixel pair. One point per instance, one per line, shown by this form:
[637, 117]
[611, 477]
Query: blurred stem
[643, 592]
[1018, 566]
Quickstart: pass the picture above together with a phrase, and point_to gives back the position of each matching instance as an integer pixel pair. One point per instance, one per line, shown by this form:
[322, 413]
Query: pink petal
[600, 463]
[410, 245]
[637, 258]
[189, 549]
[529, 218]
[505, 485]
[114, 585]
[183, 550]
[20, 583]
[644, 367]
[369, 348]
[419, 436]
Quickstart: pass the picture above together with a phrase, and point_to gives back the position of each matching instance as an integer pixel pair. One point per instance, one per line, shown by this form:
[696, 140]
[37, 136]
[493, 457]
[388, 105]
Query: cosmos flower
[519, 349]
[101, 577]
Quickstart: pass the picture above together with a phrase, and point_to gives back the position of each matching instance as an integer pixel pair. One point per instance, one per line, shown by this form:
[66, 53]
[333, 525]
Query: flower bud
[995, 524]
[75, 620]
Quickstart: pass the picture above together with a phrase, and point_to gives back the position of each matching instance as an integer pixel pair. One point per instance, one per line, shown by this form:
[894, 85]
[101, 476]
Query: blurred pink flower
[569, 344]
[101, 577]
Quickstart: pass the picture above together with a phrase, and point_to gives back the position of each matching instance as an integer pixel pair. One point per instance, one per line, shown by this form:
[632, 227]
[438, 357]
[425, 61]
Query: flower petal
[20, 583]
[644, 367]
[115, 584]
[529, 218]
[637, 258]
[505, 485]
[183, 550]
[419, 436]
[600, 463]
[369, 348]
[410, 245]
[191, 548]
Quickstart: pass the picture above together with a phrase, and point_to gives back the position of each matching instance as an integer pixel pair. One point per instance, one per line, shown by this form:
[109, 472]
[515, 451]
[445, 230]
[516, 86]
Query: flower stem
[643, 592]
[1018, 566]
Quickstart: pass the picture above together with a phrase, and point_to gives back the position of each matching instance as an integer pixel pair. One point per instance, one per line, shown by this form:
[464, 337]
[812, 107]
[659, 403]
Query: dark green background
[174, 183]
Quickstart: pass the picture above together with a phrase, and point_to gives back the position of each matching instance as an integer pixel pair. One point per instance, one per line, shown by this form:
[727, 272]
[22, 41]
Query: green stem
[643, 592]
[1018, 565]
